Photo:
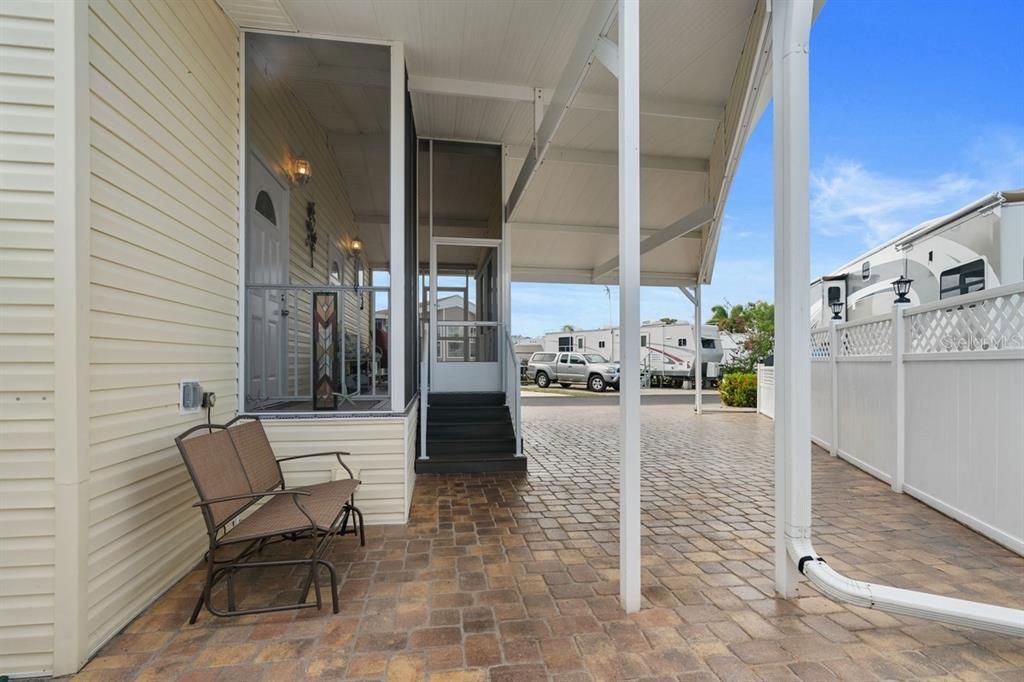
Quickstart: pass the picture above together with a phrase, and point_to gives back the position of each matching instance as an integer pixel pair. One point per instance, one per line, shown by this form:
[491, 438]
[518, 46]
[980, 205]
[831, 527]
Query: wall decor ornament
[311, 230]
[325, 342]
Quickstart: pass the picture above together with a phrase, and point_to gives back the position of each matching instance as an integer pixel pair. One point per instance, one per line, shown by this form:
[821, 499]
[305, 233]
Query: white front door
[266, 263]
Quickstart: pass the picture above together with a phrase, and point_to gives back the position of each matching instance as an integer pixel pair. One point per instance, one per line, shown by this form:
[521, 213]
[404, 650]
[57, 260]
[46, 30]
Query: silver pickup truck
[566, 369]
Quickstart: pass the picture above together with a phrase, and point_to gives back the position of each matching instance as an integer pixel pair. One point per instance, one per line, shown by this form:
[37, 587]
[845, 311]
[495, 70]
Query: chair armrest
[247, 496]
[336, 453]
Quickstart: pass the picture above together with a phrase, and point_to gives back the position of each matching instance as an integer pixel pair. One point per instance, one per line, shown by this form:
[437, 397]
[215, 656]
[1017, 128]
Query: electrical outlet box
[190, 396]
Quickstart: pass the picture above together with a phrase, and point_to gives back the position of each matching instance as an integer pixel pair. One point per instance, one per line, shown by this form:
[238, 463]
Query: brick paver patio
[513, 577]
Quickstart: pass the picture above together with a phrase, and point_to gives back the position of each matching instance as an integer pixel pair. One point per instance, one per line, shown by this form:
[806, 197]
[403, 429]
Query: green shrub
[739, 389]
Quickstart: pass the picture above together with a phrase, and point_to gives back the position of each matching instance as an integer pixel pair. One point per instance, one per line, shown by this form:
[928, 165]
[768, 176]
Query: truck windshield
[594, 358]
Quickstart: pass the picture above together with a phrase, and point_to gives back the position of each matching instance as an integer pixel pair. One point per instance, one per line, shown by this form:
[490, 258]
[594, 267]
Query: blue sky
[917, 107]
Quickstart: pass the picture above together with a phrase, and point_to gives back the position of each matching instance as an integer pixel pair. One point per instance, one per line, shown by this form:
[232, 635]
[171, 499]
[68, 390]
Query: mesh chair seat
[279, 515]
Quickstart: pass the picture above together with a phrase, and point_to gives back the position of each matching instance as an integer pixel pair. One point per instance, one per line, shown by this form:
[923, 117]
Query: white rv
[667, 351]
[978, 247]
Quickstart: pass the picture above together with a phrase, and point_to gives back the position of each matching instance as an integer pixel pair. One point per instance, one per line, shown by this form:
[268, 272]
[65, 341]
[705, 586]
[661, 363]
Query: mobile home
[979, 246]
[667, 351]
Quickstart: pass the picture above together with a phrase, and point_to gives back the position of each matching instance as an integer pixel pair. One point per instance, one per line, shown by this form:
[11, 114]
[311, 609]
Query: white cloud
[847, 198]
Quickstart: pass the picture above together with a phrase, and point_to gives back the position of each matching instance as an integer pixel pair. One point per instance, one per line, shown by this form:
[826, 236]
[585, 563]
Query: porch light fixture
[302, 172]
[837, 309]
[902, 287]
[357, 245]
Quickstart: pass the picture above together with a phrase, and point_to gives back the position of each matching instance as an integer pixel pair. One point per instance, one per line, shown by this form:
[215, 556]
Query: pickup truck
[566, 369]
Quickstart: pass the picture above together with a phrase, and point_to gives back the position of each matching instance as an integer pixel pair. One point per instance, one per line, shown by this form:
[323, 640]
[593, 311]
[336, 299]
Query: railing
[290, 367]
[512, 391]
[467, 341]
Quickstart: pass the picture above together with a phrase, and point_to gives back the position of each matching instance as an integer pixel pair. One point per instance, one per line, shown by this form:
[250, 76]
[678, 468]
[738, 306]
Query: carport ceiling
[474, 71]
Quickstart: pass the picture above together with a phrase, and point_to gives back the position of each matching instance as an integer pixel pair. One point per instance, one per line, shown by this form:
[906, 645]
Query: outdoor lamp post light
[902, 287]
[837, 309]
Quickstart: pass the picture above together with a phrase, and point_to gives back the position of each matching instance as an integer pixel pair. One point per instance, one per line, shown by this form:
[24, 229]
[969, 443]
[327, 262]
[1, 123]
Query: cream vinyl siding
[379, 458]
[164, 116]
[26, 336]
[281, 129]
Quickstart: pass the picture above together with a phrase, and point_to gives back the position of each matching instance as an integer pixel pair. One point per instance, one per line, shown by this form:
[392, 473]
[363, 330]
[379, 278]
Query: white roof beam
[596, 26]
[511, 92]
[597, 230]
[691, 222]
[583, 276]
[590, 157]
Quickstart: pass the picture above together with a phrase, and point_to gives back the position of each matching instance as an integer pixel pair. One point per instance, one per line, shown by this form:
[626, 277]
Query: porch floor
[513, 577]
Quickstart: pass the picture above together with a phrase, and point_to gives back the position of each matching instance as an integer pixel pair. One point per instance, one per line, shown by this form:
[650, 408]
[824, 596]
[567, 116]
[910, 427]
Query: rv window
[834, 294]
[682, 342]
[962, 279]
[865, 270]
[579, 343]
[600, 344]
[643, 340]
[564, 343]
[707, 343]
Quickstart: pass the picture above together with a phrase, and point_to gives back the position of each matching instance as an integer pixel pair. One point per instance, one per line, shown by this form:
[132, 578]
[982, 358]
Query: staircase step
[498, 447]
[480, 399]
[469, 464]
[469, 430]
[464, 414]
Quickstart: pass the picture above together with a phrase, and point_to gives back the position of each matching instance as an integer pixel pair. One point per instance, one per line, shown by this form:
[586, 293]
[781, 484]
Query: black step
[470, 430]
[466, 415]
[470, 464]
[466, 446]
[466, 399]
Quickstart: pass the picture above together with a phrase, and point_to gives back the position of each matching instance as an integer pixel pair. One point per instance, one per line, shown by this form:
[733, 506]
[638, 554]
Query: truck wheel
[564, 385]
[596, 383]
[542, 380]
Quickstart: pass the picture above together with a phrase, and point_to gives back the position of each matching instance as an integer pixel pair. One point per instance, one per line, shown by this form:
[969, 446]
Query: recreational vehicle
[667, 351]
[979, 246]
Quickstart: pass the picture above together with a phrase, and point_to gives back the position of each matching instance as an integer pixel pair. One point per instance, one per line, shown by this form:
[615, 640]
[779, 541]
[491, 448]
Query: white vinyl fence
[931, 400]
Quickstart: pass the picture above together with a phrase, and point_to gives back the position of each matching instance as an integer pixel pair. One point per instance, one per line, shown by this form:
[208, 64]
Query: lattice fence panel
[821, 343]
[868, 338]
[995, 323]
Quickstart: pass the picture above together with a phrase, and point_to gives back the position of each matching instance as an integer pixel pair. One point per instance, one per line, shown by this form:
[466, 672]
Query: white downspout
[795, 555]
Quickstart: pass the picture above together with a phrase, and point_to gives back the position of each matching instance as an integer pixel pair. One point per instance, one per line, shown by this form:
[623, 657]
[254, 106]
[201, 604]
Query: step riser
[512, 464]
[503, 448]
[465, 399]
[467, 415]
[469, 431]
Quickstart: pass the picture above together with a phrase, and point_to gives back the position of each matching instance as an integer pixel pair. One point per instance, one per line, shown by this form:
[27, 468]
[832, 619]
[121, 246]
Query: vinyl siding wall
[379, 458]
[26, 336]
[164, 283]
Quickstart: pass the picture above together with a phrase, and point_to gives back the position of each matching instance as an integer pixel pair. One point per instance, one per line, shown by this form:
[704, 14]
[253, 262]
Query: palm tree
[734, 319]
[568, 328]
[668, 320]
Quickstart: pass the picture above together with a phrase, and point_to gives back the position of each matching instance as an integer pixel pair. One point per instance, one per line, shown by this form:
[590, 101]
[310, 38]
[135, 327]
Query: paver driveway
[513, 577]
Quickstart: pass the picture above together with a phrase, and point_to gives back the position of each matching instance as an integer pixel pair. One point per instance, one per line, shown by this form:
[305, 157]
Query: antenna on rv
[608, 293]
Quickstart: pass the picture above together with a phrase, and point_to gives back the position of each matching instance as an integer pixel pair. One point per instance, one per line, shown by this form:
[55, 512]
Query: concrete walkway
[513, 577]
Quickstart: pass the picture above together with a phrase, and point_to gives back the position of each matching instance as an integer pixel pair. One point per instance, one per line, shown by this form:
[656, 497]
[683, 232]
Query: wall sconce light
[837, 309]
[302, 172]
[357, 245]
[902, 287]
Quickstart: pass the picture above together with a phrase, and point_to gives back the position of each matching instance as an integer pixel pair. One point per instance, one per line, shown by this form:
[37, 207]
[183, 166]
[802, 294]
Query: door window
[563, 358]
[265, 206]
[576, 360]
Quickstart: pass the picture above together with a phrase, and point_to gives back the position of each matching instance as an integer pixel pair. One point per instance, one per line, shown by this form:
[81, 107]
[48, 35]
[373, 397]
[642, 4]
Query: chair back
[256, 455]
[216, 471]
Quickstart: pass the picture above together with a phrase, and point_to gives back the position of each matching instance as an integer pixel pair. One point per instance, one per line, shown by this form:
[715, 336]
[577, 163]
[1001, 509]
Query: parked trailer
[667, 351]
[980, 246]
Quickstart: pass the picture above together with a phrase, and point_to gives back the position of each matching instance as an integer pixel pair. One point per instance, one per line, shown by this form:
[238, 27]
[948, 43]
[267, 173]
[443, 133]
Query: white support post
[698, 370]
[396, 207]
[629, 304]
[833, 353]
[791, 25]
[898, 344]
[71, 339]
